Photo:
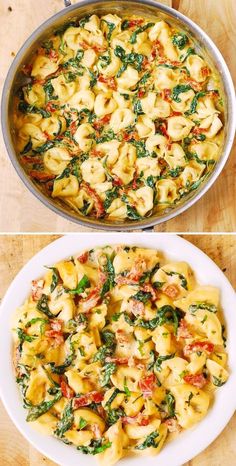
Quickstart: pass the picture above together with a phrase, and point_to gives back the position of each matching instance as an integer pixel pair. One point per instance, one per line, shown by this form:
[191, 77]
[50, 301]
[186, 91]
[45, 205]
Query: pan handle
[67, 2]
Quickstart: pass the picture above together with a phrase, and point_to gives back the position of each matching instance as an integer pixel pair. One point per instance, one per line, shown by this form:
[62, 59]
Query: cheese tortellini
[106, 83]
[117, 347]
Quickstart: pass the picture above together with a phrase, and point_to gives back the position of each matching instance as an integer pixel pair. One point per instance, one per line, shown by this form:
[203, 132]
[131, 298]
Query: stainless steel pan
[121, 7]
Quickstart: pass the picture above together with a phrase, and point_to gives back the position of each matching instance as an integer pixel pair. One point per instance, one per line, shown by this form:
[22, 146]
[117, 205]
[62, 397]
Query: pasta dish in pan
[122, 117]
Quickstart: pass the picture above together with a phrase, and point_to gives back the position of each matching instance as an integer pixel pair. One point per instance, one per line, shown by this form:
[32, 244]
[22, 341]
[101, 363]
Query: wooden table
[214, 212]
[15, 251]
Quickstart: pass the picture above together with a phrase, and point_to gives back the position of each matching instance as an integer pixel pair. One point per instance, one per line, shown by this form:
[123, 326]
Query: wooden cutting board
[214, 212]
[15, 251]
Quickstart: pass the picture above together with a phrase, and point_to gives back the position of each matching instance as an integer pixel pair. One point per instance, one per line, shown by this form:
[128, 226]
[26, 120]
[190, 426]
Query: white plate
[188, 444]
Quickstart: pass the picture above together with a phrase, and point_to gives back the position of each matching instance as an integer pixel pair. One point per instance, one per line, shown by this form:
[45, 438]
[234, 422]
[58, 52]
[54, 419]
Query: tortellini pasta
[106, 83]
[117, 346]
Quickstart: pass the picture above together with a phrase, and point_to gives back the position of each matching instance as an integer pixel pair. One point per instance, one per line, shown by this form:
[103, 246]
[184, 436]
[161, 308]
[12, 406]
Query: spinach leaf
[82, 423]
[113, 415]
[66, 421]
[49, 89]
[23, 107]
[112, 397]
[160, 360]
[42, 306]
[194, 102]
[35, 320]
[142, 296]
[111, 27]
[170, 402]
[133, 37]
[165, 315]
[151, 181]
[132, 213]
[140, 147]
[189, 52]
[82, 285]
[180, 40]
[55, 278]
[68, 361]
[46, 146]
[175, 172]
[111, 194]
[110, 281]
[134, 59]
[24, 337]
[95, 447]
[184, 283]
[108, 337]
[149, 442]
[208, 307]
[27, 147]
[108, 369]
[138, 107]
[125, 25]
[84, 20]
[36, 411]
[178, 90]
[109, 340]
[217, 382]
[93, 80]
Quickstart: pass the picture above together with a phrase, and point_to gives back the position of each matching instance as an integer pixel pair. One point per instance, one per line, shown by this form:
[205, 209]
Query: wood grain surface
[24, 213]
[15, 251]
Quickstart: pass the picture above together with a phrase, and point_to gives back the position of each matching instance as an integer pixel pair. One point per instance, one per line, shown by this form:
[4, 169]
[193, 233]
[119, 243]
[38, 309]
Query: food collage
[118, 233]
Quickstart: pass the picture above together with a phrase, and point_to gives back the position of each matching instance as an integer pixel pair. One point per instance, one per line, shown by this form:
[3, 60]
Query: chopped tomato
[50, 107]
[67, 391]
[148, 288]
[199, 130]
[96, 153]
[172, 424]
[27, 69]
[56, 336]
[53, 55]
[165, 94]
[120, 280]
[135, 22]
[117, 360]
[47, 135]
[205, 71]
[141, 93]
[83, 257]
[28, 159]
[85, 400]
[41, 51]
[41, 176]
[101, 122]
[137, 307]
[140, 419]
[98, 48]
[145, 62]
[110, 82]
[37, 289]
[175, 114]
[98, 204]
[183, 331]
[91, 301]
[157, 49]
[56, 324]
[198, 346]
[198, 380]
[147, 384]
[171, 290]
[116, 181]
[73, 127]
[163, 130]
[101, 411]
[129, 136]
[194, 84]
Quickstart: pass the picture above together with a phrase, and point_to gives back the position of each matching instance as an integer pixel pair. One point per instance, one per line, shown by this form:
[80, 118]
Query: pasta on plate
[123, 117]
[118, 349]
